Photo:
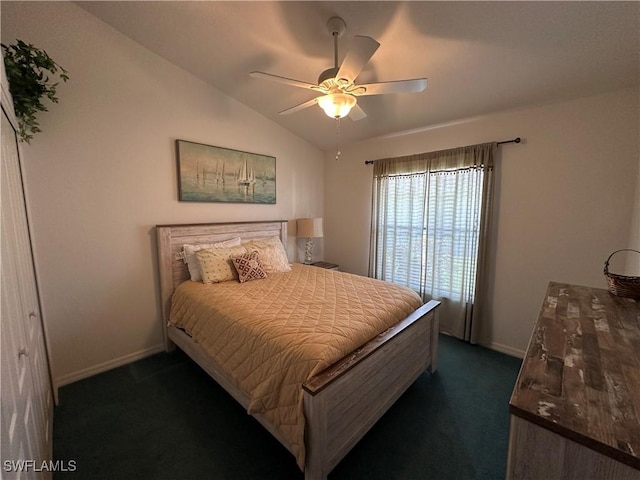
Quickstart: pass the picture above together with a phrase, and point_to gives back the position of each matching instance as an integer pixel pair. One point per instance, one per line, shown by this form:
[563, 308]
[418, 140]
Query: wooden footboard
[346, 400]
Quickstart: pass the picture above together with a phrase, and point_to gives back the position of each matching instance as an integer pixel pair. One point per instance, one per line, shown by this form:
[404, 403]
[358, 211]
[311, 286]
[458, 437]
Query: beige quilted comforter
[272, 335]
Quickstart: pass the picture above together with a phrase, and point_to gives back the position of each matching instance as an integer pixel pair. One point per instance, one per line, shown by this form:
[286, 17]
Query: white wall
[564, 199]
[632, 266]
[103, 173]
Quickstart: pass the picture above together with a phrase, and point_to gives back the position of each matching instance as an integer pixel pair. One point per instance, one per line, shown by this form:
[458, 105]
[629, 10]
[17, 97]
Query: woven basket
[622, 285]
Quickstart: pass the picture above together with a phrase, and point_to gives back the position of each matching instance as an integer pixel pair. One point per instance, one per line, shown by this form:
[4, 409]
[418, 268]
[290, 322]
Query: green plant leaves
[30, 72]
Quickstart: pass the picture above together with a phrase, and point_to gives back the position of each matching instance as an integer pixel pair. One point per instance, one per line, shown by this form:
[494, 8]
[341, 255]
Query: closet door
[27, 404]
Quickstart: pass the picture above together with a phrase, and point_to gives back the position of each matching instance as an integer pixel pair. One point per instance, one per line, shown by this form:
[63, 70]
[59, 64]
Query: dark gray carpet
[164, 418]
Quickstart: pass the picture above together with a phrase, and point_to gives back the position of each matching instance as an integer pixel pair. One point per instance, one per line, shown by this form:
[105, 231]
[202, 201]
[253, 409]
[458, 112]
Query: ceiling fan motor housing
[328, 74]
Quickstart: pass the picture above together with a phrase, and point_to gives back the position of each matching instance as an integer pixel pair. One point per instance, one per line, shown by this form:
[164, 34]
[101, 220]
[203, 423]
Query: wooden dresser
[575, 408]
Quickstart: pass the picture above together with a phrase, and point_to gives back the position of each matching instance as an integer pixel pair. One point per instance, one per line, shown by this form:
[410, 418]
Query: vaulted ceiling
[479, 57]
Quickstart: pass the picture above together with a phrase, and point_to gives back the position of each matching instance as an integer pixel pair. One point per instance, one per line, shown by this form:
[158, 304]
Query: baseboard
[498, 347]
[103, 367]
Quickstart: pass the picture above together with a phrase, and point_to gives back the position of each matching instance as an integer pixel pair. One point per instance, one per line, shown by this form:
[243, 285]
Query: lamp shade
[337, 105]
[309, 227]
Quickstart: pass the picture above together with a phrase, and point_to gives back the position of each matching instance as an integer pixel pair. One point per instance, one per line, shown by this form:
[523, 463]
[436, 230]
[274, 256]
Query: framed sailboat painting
[216, 174]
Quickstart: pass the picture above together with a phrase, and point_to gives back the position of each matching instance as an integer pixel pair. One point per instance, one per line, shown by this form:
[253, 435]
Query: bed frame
[344, 401]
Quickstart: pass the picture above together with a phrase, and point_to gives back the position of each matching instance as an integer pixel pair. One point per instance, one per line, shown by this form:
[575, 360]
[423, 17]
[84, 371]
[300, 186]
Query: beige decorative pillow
[215, 263]
[249, 267]
[189, 255]
[272, 254]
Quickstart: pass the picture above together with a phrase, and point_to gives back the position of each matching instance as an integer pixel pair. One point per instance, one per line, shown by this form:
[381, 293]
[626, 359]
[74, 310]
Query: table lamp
[308, 228]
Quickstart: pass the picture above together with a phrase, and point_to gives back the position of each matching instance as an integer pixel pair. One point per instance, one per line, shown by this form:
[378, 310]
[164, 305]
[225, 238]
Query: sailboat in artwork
[246, 176]
[220, 174]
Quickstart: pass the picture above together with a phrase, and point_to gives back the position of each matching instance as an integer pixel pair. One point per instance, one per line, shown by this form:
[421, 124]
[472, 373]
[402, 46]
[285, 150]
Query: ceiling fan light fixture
[337, 105]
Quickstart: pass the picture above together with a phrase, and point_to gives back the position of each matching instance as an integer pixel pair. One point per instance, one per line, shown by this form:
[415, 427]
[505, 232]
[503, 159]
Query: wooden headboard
[171, 238]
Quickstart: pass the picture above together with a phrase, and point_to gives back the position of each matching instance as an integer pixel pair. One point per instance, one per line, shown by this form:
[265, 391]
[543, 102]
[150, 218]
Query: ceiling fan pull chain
[338, 152]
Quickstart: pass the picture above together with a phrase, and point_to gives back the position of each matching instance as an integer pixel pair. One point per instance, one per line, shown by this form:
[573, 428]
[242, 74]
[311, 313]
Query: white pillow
[272, 254]
[189, 254]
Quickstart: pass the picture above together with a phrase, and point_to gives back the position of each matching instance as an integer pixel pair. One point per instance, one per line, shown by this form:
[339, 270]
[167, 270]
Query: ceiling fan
[337, 84]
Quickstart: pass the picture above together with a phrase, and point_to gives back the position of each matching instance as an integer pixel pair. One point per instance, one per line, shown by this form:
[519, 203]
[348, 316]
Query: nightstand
[328, 266]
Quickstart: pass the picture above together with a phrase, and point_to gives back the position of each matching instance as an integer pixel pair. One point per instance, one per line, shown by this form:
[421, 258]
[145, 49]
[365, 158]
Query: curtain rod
[514, 140]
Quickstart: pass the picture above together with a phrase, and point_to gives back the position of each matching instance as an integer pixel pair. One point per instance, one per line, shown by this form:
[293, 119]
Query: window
[428, 226]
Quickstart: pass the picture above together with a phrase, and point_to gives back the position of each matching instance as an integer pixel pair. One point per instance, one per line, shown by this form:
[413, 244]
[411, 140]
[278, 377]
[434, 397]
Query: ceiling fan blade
[299, 107]
[357, 113]
[362, 49]
[285, 80]
[400, 86]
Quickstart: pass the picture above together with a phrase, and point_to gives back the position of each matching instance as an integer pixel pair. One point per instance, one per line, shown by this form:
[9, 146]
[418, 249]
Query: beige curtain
[431, 216]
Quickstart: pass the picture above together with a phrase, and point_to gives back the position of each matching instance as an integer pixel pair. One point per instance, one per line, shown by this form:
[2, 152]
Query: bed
[341, 402]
